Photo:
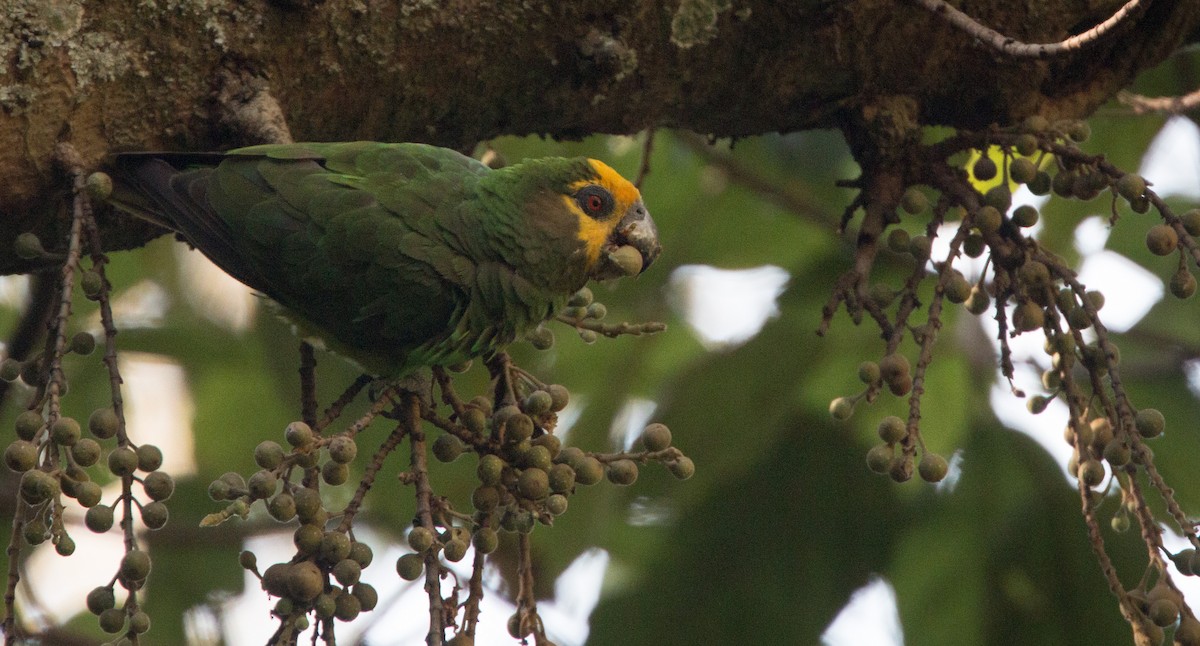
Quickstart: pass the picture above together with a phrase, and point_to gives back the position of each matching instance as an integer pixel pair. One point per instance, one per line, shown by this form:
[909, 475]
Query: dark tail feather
[171, 190]
[146, 185]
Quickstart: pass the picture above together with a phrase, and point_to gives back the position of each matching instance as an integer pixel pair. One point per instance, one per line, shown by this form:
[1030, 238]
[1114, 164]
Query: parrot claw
[417, 383]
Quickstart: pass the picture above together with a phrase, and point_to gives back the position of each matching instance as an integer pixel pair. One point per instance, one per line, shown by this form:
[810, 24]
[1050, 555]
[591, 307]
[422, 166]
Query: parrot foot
[417, 383]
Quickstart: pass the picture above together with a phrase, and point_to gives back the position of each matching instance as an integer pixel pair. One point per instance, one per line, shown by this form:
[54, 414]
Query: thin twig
[786, 196]
[369, 475]
[347, 396]
[647, 149]
[475, 588]
[411, 422]
[308, 384]
[1161, 104]
[1012, 47]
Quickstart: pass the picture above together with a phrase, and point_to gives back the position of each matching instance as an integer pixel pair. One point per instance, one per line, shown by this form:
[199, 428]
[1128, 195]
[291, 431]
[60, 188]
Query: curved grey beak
[637, 230]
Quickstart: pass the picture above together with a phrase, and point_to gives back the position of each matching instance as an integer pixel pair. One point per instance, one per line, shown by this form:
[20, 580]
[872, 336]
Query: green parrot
[397, 256]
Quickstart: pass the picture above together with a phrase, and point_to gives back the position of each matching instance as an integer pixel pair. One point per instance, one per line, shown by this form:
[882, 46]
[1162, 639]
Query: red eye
[595, 201]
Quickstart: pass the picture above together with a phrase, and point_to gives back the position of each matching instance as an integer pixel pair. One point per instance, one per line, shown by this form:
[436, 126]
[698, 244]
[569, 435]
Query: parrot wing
[346, 237]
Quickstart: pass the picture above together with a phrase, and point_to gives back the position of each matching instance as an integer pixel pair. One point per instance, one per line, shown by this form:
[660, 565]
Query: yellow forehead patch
[592, 232]
[622, 189]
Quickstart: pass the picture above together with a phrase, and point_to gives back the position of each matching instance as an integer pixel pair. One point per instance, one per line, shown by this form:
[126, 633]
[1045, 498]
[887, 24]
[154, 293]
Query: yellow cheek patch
[592, 232]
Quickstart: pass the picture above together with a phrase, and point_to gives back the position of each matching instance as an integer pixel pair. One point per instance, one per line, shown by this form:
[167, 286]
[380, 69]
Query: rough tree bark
[172, 74]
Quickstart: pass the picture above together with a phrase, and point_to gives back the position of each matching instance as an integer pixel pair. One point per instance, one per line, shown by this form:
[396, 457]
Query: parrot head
[588, 222]
[611, 216]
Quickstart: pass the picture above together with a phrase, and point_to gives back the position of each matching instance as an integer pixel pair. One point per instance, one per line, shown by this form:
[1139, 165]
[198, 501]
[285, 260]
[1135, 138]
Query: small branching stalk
[1029, 289]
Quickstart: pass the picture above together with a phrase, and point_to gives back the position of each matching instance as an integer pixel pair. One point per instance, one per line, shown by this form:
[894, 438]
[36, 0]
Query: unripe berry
[367, 597]
[537, 403]
[1027, 144]
[10, 370]
[335, 473]
[158, 485]
[841, 408]
[1162, 239]
[1028, 316]
[1150, 422]
[559, 396]
[347, 571]
[1183, 283]
[868, 372]
[298, 434]
[83, 343]
[455, 550]
[304, 581]
[891, 429]
[1091, 472]
[262, 484]
[589, 471]
[342, 449]
[682, 468]
[88, 494]
[1040, 184]
[984, 169]
[913, 201]
[112, 620]
[556, 504]
[65, 431]
[447, 448]
[894, 367]
[38, 486]
[420, 539]
[135, 566]
[86, 452]
[122, 461]
[534, 483]
[347, 608]
[921, 247]
[1191, 222]
[92, 283]
[486, 540]
[149, 457]
[879, 458]
[1079, 131]
[518, 427]
[622, 472]
[28, 246]
[268, 454]
[999, 197]
[656, 437]
[485, 498]
[489, 470]
[307, 538]
[308, 503]
[21, 456]
[957, 289]
[155, 515]
[410, 566]
[1131, 186]
[1022, 170]
[103, 424]
[933, 467]
[1025, 216]
[562, 478]
[99, 519]
[100, 599]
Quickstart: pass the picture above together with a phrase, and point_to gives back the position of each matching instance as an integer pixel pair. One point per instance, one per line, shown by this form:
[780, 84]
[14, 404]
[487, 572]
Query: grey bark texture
[182, 74]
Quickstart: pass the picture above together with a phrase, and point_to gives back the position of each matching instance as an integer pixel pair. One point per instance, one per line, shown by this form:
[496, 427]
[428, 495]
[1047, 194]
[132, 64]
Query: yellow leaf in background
[1001, 157]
